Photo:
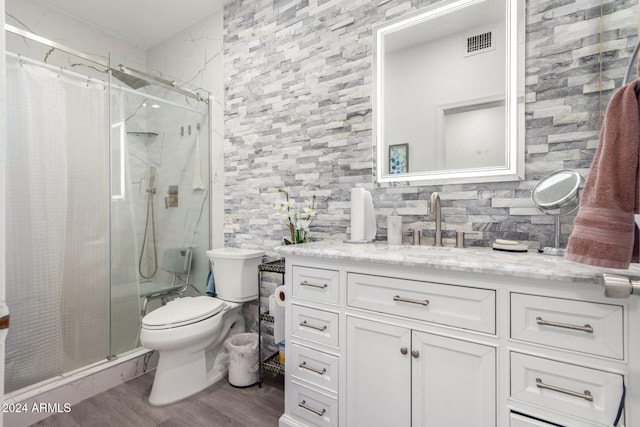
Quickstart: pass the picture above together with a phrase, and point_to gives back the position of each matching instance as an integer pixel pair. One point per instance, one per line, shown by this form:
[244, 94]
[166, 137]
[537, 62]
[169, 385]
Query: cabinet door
[454, 382]
[378, 374]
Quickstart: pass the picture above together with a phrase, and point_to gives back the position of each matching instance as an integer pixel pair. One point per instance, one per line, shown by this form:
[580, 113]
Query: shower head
[132, 81]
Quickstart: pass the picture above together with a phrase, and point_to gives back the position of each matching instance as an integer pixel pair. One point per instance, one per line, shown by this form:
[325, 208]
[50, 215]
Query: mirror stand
[556, 250]
[557, 194]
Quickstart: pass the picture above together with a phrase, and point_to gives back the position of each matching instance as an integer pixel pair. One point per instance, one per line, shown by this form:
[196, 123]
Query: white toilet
[189, 332]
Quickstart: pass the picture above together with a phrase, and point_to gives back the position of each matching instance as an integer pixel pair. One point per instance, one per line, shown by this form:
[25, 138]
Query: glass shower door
[159, 195]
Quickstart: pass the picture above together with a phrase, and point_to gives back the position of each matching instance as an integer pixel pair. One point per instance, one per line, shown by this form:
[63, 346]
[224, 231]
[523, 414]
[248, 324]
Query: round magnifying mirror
[557, 191]
[557, 194]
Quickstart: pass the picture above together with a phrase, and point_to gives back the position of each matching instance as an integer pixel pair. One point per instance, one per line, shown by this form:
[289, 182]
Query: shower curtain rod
[100, 61]
[55, 45]
[59, 70]
[98, 81]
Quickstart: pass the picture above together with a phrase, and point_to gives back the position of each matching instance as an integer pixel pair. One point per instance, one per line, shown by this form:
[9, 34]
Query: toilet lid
[183, 311]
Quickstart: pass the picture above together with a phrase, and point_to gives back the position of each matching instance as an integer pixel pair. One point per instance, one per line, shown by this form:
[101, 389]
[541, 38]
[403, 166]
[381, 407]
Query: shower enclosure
[107, 166]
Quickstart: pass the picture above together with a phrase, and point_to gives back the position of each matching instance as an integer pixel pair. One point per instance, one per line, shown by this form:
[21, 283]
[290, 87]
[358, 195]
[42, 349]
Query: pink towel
[604, 229]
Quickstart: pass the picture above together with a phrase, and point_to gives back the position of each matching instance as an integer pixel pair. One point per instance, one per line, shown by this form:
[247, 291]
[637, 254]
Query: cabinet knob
[415, 353]
[403, 350]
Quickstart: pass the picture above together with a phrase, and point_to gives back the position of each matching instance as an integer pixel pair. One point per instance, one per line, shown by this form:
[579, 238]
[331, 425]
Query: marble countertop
[475, 260]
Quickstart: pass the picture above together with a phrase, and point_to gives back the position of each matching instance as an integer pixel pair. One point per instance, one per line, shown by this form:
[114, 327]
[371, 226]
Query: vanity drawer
[574, 325]
[577, 391]
[315, 367]
[311, 407]
[517, 420]
[314, 325]
[459, 306]
[315, 284]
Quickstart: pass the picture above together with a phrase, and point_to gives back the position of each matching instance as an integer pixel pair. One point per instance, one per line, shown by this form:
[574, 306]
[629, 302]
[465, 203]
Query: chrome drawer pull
[304, 324]
[586, 328]
[586, 395]
[412, 301]
[303, 365]
[303, 405]
[313, 285]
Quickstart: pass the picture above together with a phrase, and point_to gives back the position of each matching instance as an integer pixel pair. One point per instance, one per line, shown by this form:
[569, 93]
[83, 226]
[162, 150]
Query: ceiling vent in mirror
[480, 43]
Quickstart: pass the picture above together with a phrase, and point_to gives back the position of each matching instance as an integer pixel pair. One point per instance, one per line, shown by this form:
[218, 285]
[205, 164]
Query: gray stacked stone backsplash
[298, 94]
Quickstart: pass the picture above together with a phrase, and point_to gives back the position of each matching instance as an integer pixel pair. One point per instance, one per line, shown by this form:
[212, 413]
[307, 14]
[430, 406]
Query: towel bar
[634, 55]
[616, 286]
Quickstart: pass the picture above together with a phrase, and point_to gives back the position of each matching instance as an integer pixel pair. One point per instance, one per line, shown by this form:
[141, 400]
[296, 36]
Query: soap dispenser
[394, 229]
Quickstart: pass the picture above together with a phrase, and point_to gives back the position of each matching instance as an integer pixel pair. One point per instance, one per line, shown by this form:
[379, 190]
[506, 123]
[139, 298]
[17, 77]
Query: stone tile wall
[298, 116]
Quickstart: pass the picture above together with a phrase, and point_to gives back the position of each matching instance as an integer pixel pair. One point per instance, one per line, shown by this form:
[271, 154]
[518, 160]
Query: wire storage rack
[270, 362]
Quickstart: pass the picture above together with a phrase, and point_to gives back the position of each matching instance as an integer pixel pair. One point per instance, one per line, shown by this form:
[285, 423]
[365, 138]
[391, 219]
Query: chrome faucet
[435, 208]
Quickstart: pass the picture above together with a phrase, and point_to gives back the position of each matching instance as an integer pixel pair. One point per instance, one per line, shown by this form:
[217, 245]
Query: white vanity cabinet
[454, 338]
[398, 376]
[420, 379]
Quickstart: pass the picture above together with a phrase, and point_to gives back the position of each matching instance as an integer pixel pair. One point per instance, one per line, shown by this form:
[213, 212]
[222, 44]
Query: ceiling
[143, 23]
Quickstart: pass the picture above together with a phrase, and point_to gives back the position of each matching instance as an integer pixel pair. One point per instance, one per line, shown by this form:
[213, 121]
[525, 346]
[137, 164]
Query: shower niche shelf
[140, 133]
[271, 362]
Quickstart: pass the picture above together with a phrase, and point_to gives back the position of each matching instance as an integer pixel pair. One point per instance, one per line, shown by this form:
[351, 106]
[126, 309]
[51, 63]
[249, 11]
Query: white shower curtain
[57, 182]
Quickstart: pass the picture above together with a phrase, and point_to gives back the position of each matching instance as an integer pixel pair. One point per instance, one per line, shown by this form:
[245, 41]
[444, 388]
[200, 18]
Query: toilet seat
[183, 311]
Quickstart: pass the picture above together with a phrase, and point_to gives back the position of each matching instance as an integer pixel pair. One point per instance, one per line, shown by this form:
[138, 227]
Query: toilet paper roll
[357, 214]
[280, 296]
[277, 313]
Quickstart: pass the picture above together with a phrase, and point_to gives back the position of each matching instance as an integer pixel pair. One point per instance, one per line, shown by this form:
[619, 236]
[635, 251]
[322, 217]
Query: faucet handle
[460, 235]
[409, 236]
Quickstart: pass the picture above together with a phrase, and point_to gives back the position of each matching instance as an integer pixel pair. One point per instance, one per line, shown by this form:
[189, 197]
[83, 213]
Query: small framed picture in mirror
[398, 159]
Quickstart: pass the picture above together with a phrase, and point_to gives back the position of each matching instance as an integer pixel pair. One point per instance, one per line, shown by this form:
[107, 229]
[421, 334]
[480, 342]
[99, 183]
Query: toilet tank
[235, 271]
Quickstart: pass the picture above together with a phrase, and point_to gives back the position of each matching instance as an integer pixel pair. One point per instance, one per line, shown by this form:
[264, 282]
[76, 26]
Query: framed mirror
[449, 88]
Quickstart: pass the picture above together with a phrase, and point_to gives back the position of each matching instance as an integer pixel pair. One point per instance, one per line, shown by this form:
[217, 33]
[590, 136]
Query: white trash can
[244, 363]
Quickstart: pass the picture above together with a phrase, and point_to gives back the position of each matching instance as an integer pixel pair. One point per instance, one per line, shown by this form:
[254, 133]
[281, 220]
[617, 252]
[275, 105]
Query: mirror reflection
[446, 94]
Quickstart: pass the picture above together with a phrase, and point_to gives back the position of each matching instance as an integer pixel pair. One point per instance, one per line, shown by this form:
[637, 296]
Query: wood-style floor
[221, 405]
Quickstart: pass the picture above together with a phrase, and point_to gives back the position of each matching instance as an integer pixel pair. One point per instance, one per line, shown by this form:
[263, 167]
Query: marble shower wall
[164, 138]
[298, 116]
[194, 55]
